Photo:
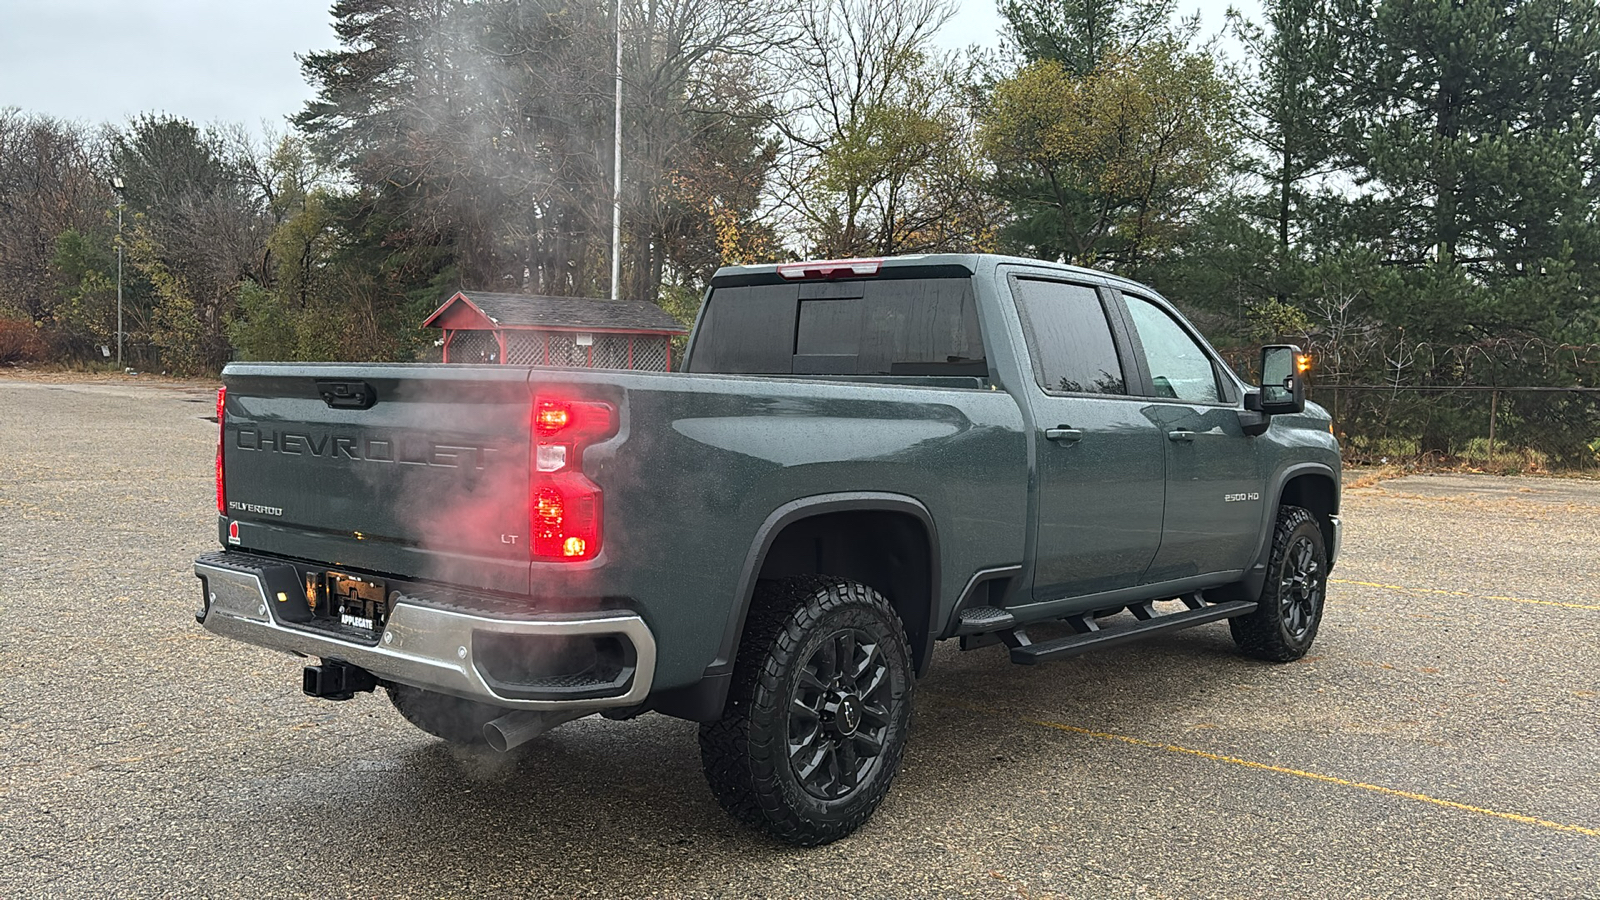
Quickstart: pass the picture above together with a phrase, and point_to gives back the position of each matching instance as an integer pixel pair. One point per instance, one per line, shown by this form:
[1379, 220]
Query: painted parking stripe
[1317, 776]
[1285, 770]
[1412, 590]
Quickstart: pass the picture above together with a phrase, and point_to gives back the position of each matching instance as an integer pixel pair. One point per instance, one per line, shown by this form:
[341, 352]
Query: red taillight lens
[572, 421]
[564, 506]
[551, 416]
[222, 494]
[566, 518]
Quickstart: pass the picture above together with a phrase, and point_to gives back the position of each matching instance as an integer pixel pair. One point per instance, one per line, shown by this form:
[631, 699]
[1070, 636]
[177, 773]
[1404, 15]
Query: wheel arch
[883, 540]
[1316, 491]
[1312, 486]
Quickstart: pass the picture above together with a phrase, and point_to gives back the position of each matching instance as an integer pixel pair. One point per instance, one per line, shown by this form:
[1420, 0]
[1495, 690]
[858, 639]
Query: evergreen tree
[1474, 143]
[1255, 253]
[1078, 34]
[1107, 168]
[480, 134]
[1291, 111]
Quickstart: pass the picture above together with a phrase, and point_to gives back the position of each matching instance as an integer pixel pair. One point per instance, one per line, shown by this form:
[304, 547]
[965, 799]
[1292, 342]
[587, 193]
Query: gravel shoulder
[1442, 740]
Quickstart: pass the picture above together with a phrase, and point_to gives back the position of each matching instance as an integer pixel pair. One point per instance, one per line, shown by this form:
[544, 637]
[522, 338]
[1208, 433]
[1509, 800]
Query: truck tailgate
[415, 471]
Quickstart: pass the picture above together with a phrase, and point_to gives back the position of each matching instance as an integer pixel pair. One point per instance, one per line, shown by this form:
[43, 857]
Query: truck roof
[971, 262]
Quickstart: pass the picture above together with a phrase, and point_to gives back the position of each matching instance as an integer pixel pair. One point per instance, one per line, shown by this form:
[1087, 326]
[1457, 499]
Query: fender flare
[1255, 578]
[805, 508]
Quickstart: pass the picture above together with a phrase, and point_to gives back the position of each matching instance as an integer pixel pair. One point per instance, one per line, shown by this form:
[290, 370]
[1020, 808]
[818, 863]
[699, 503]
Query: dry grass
[1368, 476]
[62, 375]
[1358, 477]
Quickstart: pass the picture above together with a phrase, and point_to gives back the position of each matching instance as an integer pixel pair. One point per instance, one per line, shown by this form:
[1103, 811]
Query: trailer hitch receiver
[336, 680]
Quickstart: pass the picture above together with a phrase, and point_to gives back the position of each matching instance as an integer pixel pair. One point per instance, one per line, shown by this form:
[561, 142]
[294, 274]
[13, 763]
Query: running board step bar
[983, 620]
[1090, 636]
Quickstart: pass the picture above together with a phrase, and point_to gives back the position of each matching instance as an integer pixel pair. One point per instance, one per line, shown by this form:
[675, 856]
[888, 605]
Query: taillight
[222, 496]
[829, 269]
[564, 506]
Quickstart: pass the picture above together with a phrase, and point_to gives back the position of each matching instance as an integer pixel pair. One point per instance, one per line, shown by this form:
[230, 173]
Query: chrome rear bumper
[422, 645]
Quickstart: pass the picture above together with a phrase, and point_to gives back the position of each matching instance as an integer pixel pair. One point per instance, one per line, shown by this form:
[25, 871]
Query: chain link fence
[1498, 405]
[1513, 429]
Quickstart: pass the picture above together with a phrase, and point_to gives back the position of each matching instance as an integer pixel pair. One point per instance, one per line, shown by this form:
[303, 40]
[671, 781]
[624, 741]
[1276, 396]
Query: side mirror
[1283, 380]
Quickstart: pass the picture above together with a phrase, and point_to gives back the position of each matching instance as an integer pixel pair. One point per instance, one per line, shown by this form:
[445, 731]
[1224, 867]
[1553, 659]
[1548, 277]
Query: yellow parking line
[1315, 776]
[1411, 590]
[1284, 770]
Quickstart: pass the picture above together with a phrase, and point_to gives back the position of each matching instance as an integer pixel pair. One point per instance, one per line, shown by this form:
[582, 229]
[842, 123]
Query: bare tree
[877, 133]
[51, 182]
[692, 75]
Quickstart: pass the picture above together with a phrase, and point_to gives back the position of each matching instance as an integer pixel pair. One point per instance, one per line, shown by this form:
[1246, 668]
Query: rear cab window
[911, 323]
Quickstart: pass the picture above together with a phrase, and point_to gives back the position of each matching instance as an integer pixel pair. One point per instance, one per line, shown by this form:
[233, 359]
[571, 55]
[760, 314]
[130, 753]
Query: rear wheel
[443, 716]
[818, 713]
[1285, 621]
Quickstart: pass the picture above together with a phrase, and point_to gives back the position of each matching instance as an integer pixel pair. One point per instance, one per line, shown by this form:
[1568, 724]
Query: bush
[19, 343]
[1506, 459]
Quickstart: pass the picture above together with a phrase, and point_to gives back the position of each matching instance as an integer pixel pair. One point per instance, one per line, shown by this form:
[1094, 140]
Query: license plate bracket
[357, 601]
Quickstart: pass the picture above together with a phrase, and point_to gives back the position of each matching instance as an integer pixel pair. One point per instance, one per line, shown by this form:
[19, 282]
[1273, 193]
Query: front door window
[1179, 369]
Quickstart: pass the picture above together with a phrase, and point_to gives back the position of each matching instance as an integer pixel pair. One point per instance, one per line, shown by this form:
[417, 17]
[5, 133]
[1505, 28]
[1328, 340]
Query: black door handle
[1063, 434]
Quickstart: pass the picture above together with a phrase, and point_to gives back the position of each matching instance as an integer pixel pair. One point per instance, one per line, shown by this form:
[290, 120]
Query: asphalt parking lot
[1443, 739]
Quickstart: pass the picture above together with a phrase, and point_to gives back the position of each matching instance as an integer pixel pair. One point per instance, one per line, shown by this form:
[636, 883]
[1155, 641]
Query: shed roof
[525, 311]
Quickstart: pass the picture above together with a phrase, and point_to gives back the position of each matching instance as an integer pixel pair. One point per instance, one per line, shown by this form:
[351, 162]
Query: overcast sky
[230, 60]
[104, 60]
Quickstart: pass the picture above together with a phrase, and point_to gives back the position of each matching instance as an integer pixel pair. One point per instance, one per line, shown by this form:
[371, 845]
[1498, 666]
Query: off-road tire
[1286, 620]
[449, 718]
[768, 759]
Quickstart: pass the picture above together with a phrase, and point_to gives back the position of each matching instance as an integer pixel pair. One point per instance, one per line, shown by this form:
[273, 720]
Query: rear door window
[1069, 338]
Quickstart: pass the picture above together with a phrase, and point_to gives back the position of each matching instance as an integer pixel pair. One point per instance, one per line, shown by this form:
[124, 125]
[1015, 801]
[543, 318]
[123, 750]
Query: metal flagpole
[616, 173]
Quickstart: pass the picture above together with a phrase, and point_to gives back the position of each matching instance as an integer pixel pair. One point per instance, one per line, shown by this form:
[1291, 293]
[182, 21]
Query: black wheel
[443, 716]
[818, 712]
[1285, 623]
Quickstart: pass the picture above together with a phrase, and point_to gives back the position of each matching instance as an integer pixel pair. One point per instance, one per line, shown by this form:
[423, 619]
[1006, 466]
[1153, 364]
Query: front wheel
[818, 712]
[1285, 621]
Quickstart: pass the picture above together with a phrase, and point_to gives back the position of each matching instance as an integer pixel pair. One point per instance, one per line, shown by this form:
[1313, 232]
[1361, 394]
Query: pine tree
[1104, 140]
[1474, 149]
[1078, 34]
[1292, 110]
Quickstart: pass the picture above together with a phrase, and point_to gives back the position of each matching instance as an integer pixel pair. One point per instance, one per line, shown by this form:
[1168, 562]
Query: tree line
[1395, 182]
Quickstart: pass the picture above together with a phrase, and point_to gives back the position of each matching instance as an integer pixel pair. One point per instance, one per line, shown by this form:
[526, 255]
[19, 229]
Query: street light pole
[116, 185]
[616, 173]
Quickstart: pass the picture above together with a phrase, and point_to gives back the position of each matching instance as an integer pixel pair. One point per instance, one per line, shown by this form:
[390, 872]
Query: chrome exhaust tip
[514, 729]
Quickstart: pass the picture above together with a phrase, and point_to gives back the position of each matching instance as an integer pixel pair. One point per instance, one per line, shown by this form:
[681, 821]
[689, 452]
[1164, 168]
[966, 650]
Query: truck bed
[430, 484]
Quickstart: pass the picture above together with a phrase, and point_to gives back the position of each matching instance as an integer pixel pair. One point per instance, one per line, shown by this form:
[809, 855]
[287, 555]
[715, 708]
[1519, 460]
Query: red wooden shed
[520, 330]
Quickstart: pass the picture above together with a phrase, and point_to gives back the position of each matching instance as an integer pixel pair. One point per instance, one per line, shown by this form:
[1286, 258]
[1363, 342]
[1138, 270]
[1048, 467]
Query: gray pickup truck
[861, 458]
